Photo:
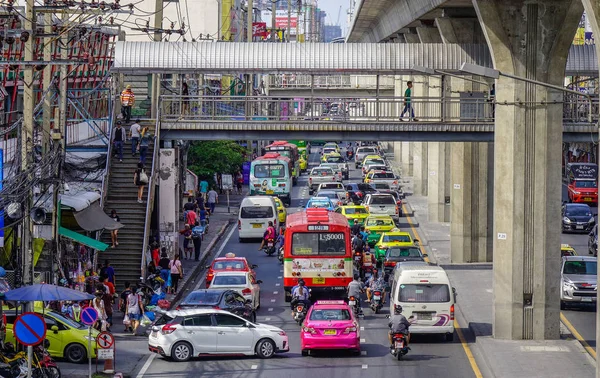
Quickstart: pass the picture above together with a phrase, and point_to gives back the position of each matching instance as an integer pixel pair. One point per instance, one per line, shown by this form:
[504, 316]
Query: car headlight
[91, 338]
[576, 192]
[566, 220]
[569, 285]
[591, 220]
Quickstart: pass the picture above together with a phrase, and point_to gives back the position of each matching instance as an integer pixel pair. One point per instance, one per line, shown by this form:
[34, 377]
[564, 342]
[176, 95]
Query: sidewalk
[474, 285]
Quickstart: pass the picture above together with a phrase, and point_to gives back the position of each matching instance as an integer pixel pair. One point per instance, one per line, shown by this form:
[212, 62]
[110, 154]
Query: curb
[199, 267]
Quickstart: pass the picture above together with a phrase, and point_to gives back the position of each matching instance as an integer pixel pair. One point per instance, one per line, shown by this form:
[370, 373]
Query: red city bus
[318, 249]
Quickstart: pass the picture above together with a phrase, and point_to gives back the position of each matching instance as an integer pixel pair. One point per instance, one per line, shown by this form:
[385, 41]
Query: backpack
[197, 232]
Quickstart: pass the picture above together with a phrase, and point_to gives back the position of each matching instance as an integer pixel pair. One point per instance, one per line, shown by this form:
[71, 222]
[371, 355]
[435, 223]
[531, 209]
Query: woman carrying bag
[140, 179]
[176, 272]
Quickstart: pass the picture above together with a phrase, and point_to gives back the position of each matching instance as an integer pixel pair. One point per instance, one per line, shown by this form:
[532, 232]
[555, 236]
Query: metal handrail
[151, 192]
[105, 177]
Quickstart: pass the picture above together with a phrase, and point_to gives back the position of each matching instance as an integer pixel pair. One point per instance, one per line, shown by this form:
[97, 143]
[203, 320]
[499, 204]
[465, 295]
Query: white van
[255, 214]
[424, 292]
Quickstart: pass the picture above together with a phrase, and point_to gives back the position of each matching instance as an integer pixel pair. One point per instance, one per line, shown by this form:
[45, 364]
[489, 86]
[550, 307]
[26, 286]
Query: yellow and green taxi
[68, 338]
[302, 163]
[375, 225]
[281, 211]
[567, 250]
[394, 238]
[354, 213]
[329, 151]
[371, 157]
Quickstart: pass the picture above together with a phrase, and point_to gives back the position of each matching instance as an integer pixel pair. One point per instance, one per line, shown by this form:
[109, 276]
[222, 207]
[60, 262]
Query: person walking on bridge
[127, 101]
[407, 103]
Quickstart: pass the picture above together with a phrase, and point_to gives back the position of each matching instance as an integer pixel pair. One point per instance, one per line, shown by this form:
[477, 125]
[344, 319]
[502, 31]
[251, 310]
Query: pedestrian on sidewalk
[127, 101]
[203, 215]
[163, 264]
[140, 178]
[191, 219]
[407, 103]
[98, 304]
[107, 298]
[197, 244]
[144, 143]
[155, 253]
[123, 303]
[118, 139]
[134, 134]
[190, 205]
[176, 273]
[114, 233]
[135, 310]
[213, 199]
[239, 181]
[108, 271]
[203, 189]
[187, 241]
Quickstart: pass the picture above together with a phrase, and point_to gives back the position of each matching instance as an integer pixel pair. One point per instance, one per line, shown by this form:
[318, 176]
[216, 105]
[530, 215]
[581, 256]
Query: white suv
[183, 334]
[377, 203]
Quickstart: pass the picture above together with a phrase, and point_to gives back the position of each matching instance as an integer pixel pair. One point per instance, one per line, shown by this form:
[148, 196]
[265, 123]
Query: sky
[332, 7]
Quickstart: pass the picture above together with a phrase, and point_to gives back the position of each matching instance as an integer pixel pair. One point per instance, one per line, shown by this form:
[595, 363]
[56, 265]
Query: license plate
[269, 244]
[367, 275]
[351, 303]
[356, 258]
[318, 280]
[329, 332]
[256, 225]
[587, 199]
[579, 227]
[586, 299]
[399, 344]
[269, 192]
[424, 316]
[376, 297]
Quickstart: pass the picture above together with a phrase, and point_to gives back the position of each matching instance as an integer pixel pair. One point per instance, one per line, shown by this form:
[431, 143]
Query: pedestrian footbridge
[450, 119]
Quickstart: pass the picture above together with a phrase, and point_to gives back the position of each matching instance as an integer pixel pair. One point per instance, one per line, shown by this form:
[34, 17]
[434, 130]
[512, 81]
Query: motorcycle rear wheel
[52, 372]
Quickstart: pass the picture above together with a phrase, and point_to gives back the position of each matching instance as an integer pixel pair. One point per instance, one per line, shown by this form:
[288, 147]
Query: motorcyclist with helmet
[355, 289]
[376, 282]
[399, 324]
[300, 293]
[269, 234]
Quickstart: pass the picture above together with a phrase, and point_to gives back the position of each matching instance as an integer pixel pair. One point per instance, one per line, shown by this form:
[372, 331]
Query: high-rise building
[330, 32]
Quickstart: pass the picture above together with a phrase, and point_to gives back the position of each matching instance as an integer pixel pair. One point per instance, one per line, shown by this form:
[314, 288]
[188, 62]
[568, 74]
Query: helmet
[301, 282]
[356, 276]
[397, 309]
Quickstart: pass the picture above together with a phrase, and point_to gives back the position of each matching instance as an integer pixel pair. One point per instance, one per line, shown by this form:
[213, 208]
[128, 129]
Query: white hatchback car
[183, 334]
[242, 282]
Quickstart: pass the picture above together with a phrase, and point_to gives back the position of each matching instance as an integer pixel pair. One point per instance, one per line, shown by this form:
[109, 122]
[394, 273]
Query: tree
[205, 158]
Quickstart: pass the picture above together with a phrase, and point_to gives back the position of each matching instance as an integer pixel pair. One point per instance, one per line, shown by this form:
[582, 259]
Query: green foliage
[205, 158]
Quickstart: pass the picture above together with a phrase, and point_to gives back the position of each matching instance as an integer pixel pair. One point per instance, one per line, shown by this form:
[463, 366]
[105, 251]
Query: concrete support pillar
[527, 39]
[420, 173]
[471, 179]
[438, 182]
[407, 159]
[397, 150]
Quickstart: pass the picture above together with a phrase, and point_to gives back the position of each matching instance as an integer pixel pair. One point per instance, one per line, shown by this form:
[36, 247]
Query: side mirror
[454, 293]
[253, 266]
[249, 325]
[54, 329]
[425, 255]
[259, 282]
[46, 343]
[207, 267]
[387, 316]
[416, 241]
[248, 301]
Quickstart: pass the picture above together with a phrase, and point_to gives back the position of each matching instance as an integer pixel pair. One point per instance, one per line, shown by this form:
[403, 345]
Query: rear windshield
[381, 185]
[581, 267]
[397, 238]
[404, 252]
[163, 320]
[329, 150]
[385, 175]
[330, 195]
[335, 159]
[332, 185]
[228, 264]
[424, 293]
[320, 204]
[366, 150]
[382, 200]
[322, 172]
[319, 243]
[249, 212]
[269, 171]
[356, 210]
[379, 222]
[208, 298]
[330, 314]
[585, 184]
[229, 280]
[365, 187]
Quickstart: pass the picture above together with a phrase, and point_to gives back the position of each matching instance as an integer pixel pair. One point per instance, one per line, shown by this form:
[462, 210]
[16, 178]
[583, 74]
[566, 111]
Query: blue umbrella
[45, 292]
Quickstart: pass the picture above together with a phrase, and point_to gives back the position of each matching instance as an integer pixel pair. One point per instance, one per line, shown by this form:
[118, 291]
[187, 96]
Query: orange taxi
[229, 263]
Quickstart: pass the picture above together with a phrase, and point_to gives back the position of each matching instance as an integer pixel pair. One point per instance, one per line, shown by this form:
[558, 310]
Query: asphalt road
[430, 356]
[583, 318]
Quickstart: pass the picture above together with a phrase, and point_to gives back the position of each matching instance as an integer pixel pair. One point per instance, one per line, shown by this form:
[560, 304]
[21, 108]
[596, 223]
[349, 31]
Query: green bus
[301, 147]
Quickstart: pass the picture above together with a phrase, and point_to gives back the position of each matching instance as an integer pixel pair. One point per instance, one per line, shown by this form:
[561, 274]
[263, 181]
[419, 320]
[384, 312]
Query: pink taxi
[330, 325]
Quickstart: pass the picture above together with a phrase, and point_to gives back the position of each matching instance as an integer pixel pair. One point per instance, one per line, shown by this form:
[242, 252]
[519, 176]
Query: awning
[79, 238]
[93, 218]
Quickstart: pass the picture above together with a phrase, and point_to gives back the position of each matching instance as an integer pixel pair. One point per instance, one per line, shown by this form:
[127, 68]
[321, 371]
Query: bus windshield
[269, 171]
[318, 243]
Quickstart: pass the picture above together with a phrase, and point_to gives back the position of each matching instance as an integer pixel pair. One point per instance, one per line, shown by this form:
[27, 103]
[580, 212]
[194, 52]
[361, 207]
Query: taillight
[367, 207]
[396, 209]
[168, 329]
[309, 330]
[350, 329]
[216, 307]
[452, 312]
[333, 178]
[395, 182]
[246, 291]
[178, 308]
[281, 333]
[239, 224]
[299, 308]
[357, 253]
[389, 263]
[352, 298]
[377, 292]
[360, 194]
[310, 180]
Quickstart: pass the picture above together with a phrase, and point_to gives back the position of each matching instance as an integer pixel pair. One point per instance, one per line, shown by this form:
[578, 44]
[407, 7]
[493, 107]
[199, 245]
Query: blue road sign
[89, 315]
[29, 329]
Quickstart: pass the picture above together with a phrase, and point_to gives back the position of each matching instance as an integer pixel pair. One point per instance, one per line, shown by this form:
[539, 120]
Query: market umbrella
[45, 292]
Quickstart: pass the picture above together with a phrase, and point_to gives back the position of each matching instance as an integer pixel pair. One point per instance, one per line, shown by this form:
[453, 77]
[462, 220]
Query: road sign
[105, 354]
[105, 340]
[29, 329]
[89, 316]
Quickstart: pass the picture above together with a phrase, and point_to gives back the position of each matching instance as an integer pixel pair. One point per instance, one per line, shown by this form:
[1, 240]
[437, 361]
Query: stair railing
[109, 152]
[152, 177]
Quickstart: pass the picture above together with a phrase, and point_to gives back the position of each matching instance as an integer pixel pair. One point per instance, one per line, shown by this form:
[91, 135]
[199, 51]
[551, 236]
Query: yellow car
[567, 250]
[354, 213]
[375, 225]
[394, 238]
[281, 211]
[68, 338]
[302, 163]
[371, 157]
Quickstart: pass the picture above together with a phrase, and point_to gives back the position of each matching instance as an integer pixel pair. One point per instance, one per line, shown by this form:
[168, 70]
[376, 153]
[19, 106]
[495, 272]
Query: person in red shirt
[191, 218]
[156, 255]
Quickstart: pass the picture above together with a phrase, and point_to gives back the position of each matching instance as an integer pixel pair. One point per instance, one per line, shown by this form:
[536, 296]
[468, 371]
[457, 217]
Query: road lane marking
[275, 292]
[577, 335]
[267, 319]
[279, 277]
[277, 284]
[270, 309]
[365, 366]
[467, 350]
[414, 232]
[254, 367]
[363, 353]
[363, 340]
[362, 328]
[146, 365]
[273, 300]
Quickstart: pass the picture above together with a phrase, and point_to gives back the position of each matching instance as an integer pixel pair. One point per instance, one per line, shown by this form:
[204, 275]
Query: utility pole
[289, 22]
[249, 86]
[158, 17]
[47, 106]
[273, 19]
[27, 139]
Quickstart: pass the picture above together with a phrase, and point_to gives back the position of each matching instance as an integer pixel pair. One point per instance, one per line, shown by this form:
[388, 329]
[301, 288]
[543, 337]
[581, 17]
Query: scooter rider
[300, 293]
[398, 324]
[356, 288]
[376, 283]
[269, 234]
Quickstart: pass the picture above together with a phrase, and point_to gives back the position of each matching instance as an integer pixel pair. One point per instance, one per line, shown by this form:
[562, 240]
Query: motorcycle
[357, 260]
[270, 247]
[399, 347]
[280, 255]
[376, 301]
[299, 312]
[354, 303]
[48, 366]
